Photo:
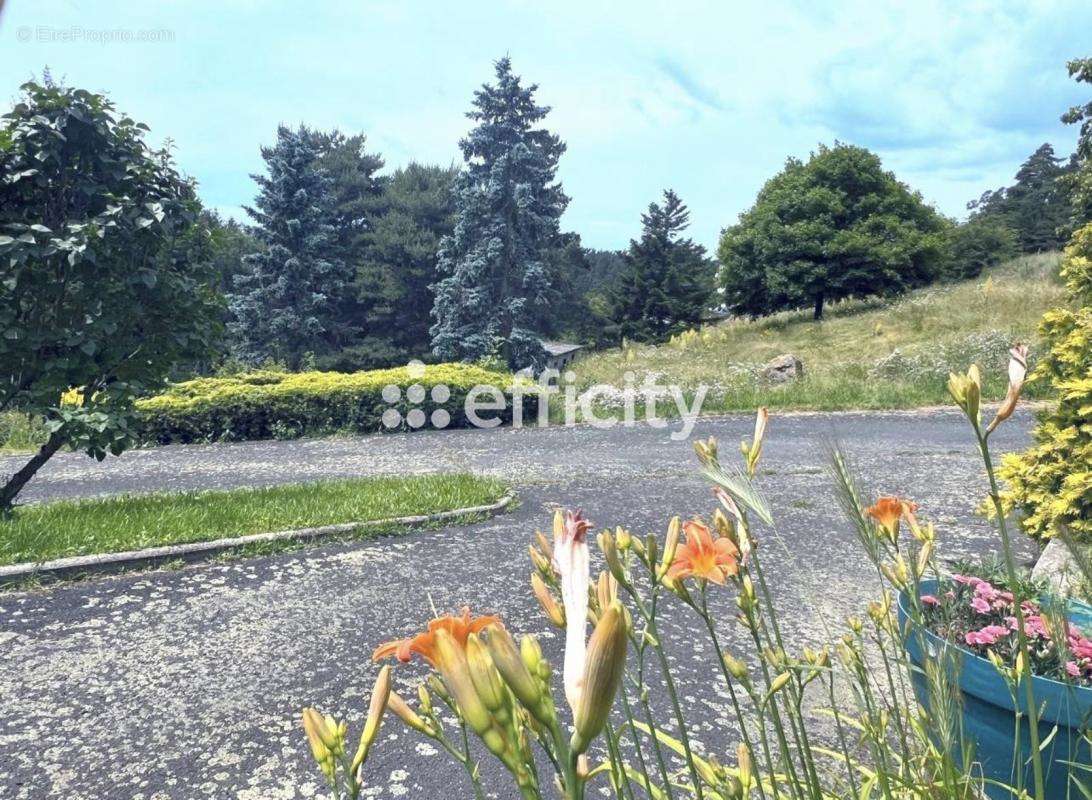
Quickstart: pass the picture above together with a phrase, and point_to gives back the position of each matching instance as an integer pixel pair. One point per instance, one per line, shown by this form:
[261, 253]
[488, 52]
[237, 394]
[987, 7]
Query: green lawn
[69, 528]
[864, 354]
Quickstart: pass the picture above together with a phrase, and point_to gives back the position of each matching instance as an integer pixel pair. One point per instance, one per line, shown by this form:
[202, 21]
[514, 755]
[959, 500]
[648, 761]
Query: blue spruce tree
[285, 302]
[495, 266]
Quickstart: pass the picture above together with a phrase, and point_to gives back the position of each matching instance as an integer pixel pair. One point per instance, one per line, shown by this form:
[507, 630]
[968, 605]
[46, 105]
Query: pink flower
[930, 600]
[1081, 647]
[987, 636]
[980, 605]
[967, 580]
[1073, 670]
[986, 591]
[1033, 625]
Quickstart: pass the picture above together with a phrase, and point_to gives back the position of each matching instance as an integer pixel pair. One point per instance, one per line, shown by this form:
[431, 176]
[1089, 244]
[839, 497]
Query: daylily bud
[545, 546]
[603, 668]
[400, 708]
[424, 699]
[706, 450]
[736, 668]
[380, 696]
[610, 555]
[752, 451]
[487, 681]
[623, 539]
[531, 654]
[746, 768]
[1018, 370]
[966, 390]
[606, 590]
[512, 667]
[924, 555]
[652, 547]
[540, 561]
[313, 725]
[671, 545]
[778, 683]
[554, 612]
[451, 662]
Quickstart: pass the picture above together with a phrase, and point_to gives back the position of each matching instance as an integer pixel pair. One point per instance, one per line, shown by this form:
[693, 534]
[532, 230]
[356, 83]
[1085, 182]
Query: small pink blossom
[967, 580]
[986, 636]
[980, 605]
[930, 600]
[1073, 670]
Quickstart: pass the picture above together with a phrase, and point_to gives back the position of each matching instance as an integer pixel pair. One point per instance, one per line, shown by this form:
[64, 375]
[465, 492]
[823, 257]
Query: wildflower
[986, 636]
[571, 563]
[424, 644]
[1018, 370]
[888, 512]
[704, 557]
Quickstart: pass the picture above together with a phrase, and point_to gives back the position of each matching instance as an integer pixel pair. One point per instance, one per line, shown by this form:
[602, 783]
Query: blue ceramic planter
[989, 721]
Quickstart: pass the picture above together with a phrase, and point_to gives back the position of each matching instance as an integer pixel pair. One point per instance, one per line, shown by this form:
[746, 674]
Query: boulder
[1058, 568]
[783, 369]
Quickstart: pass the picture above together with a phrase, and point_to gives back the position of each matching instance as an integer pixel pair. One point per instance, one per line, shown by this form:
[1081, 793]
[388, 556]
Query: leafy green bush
[1051, 483]
[266, 404]
[977, 245]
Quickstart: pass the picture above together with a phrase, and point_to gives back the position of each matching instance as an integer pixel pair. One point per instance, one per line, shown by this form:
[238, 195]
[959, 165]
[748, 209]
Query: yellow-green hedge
[1051, 483]
[268, 405]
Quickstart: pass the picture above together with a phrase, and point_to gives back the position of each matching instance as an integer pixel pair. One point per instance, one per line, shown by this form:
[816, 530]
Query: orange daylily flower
[704, 556]
[889, 511]
[424, 644]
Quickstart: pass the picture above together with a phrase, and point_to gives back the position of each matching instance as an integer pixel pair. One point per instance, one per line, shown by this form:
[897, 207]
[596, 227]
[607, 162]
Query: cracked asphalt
[188, 683]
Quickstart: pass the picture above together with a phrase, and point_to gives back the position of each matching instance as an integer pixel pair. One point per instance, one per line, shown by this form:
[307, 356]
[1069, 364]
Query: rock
[1057, 568]
[783, 369]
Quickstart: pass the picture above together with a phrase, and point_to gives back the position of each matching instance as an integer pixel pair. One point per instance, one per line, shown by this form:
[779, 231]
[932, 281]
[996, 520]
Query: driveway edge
[194, 552]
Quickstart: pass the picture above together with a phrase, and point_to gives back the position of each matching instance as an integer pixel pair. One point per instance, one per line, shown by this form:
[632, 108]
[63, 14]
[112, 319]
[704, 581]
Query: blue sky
[706, 98]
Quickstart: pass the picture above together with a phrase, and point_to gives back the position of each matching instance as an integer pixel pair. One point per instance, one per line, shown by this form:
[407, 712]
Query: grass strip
[132, 522]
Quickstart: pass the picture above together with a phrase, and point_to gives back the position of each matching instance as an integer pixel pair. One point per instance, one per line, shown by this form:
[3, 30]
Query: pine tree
[496, 263]
[285, 303]
[667, 281]
[1036, 207]
[394, 281]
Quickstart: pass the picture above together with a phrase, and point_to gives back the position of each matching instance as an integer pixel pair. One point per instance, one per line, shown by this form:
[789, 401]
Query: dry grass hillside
[864, 354]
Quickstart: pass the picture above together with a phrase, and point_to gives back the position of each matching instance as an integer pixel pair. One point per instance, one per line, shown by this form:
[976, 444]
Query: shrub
[267, 404]
[1051, 483]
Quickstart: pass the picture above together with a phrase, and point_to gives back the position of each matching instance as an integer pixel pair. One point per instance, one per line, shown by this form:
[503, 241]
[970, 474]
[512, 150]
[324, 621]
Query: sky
[708, 99]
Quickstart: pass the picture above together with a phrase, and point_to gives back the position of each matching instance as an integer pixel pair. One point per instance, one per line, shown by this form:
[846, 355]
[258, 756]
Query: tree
[286, 305]
[667, 282]
[495, 266]
[1036, 207]
[393, 283]
[1078, 182]
[834, 227]
[103, 278]
[978, 244]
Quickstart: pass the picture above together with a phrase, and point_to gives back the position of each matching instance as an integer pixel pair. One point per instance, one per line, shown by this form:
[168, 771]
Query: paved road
[187, 684]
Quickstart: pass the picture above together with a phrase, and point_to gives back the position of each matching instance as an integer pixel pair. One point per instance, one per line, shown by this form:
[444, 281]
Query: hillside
[865, 354]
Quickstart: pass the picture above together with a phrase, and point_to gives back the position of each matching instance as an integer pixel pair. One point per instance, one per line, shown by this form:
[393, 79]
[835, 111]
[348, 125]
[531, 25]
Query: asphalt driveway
[187, 684]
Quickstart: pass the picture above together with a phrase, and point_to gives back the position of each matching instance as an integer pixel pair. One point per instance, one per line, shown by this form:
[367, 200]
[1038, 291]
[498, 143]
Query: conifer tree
[495, 266]
[286, 302]
[667, 281]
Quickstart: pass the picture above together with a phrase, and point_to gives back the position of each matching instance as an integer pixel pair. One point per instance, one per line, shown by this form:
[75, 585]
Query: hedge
[278, 405]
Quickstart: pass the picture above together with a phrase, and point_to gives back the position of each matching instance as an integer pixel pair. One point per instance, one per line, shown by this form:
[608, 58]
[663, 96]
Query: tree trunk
[818, 307]
[20, 479]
